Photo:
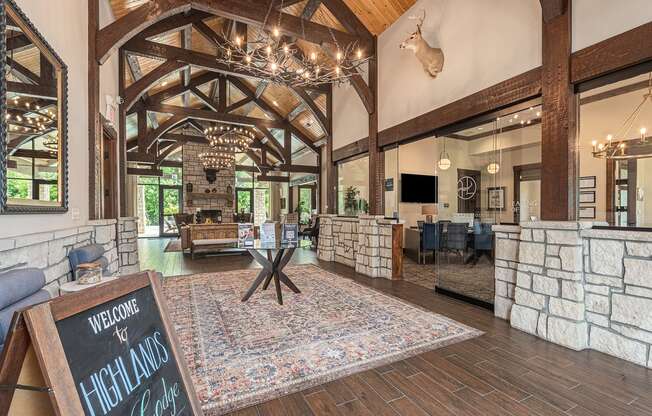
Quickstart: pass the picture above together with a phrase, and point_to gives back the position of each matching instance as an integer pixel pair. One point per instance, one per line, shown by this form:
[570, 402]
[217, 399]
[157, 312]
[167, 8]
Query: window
[353, 187]
[615, 186]
[32, 173]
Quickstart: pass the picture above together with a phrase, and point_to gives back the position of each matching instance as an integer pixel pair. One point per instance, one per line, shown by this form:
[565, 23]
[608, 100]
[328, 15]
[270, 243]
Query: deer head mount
[431, 58]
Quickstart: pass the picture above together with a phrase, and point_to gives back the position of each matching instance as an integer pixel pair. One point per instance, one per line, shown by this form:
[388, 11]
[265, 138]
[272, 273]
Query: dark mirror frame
[62, 91]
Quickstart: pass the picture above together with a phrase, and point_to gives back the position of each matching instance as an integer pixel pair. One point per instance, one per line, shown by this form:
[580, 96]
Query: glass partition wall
[615, 151]
[485, 173]
[353, 187]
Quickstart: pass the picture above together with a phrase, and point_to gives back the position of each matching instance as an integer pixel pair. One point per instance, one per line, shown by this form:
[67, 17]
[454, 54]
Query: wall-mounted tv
[418, 188]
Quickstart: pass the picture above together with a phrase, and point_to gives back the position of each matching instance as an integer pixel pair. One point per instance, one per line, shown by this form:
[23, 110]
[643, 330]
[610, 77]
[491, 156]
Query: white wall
[64, 23]
[597, 20]
[350, 118]
[484, 42]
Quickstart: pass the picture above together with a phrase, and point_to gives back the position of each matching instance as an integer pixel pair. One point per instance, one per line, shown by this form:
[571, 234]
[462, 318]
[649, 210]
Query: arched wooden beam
[145, 142]
[303, 97]
[140, 87]
[114, 35]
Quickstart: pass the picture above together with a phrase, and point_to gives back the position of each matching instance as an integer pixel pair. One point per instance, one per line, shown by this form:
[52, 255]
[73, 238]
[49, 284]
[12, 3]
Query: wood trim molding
[356, 148]
[618, 52]
[514, 90]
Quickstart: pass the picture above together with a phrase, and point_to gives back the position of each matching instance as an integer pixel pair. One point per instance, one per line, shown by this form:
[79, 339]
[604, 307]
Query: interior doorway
[527, 192]
[170, 203]
[307, 202]
[244, 200]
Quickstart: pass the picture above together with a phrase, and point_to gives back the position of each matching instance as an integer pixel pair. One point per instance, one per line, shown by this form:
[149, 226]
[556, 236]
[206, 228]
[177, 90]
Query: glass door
[244, 201]
[170, 203]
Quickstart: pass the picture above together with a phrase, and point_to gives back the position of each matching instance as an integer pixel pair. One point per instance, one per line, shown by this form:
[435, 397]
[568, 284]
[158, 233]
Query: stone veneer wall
[127, 237]
[364, 243]
[577, 286]
[193, 172]
[49, 250]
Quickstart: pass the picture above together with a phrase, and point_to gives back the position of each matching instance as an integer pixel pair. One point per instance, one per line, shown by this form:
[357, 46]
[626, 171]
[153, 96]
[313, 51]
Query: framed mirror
[33, 131]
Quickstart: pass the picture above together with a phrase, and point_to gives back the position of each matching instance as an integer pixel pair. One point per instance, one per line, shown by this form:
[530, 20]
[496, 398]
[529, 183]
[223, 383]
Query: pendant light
[494, 167]
[444, 162]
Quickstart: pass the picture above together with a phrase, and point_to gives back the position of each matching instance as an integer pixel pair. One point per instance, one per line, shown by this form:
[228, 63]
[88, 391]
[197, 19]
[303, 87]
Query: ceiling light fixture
[620, 146]
[444, 162]
[273, 58]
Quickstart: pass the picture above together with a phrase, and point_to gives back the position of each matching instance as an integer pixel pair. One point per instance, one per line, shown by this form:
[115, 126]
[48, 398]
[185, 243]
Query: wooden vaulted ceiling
[376, 15]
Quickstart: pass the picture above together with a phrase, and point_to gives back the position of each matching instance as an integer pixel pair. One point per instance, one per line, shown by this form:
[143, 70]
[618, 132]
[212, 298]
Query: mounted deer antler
[431, 58]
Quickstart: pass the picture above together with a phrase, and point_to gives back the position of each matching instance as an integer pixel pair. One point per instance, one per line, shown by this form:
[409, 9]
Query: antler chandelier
[281, 61]
[225, 142]
[218, 158]
[239, 139]
[619, 146]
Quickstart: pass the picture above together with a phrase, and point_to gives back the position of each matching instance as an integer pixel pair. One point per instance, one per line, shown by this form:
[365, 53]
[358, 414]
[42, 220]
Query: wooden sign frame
[35, 362]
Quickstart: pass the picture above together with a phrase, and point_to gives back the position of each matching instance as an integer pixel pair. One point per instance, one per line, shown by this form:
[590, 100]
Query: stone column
[507, 242]
[127, 229]
[549, 295]
[325, 249]
[367, 258]
[104, 233]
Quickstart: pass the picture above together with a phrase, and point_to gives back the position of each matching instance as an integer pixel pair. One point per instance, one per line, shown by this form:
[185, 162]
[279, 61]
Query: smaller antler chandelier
[279, 60]
[620, 146]
[237, 139]
[219, 158]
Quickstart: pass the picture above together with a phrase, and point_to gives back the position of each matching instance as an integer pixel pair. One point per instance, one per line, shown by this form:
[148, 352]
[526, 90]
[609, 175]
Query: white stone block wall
[127, 233]
[49, 251]
[506, 256]
[364, 243]
[578, 287]
[325, 249]
[618, 293]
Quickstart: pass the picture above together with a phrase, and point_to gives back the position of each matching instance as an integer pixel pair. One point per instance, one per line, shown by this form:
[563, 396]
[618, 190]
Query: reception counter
[373, 245]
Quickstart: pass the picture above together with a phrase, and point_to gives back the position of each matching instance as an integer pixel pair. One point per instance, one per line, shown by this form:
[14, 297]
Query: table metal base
[272, 269]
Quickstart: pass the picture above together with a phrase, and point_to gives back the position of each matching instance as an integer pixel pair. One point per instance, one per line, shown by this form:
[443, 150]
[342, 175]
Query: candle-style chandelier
[218, 158]
[279, 60]
[621, 145]
[237, 138]
[24, 117]
[225, 141]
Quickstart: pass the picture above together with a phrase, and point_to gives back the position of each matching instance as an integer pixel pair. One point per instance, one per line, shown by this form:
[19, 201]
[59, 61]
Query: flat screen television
[418, 188]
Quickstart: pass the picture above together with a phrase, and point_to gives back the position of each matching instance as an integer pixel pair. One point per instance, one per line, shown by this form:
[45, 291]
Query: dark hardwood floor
[504, 372]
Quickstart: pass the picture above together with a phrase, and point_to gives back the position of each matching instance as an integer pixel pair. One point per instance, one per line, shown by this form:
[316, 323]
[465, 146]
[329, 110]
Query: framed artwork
[587, 197]
[496, 198]
[587, 213]
[587, 182]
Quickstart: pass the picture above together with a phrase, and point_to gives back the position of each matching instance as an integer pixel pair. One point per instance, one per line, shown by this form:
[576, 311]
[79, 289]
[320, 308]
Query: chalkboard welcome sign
[115, 353]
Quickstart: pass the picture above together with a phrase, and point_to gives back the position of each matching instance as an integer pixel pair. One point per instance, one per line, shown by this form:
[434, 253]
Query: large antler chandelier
[619, 146]
[280, 60]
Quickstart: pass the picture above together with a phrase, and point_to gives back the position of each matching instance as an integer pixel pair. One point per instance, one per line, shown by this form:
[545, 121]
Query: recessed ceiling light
[164, 83]
[275, 103]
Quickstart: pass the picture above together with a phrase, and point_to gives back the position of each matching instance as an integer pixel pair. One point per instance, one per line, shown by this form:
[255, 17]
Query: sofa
[19, 289]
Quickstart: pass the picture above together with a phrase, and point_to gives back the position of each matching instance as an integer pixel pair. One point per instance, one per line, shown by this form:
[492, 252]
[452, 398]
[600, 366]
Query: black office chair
[457, 238]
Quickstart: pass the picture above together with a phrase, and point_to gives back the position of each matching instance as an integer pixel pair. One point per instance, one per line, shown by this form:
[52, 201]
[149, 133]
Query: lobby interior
[415, 207]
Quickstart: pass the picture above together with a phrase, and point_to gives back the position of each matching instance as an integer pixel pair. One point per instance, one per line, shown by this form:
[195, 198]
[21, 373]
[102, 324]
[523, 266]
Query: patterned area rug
[240, 354]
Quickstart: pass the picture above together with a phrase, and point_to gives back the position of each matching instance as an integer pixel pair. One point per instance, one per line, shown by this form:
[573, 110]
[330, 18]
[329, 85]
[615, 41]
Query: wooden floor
[504, 372]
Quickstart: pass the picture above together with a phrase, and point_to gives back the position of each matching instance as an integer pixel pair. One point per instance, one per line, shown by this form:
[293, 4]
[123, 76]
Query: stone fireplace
[221, 192]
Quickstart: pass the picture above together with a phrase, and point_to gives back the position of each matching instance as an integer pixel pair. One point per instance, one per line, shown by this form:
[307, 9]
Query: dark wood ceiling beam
[186, 43]
[208, 33]
[136, 74]
[238, 104]
[270, 137]
[310, 9]
[117, 33]
[204, 98]
[18, 43]
[175, 90]
[167, 152]
[266, 178]
[21, 72]
[140, 87]
[349, 20]
[145, 141]
[144, 171]
[307, 100]
[272, 112]
[260, 89]
[208, 115]
[174, 23]
[48, 92]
